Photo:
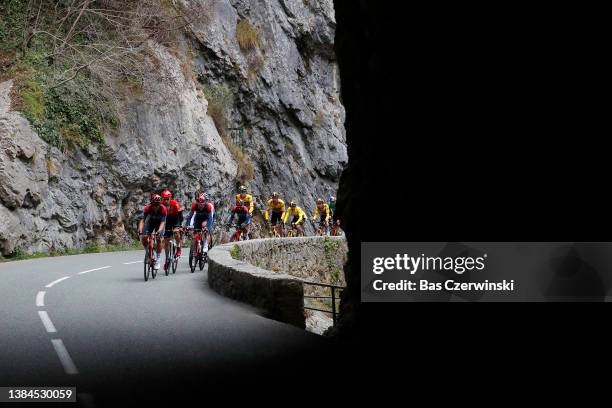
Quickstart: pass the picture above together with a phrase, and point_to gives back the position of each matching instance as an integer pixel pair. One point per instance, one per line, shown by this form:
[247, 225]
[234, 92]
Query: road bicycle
[275, 231]
[151, 256]
[320, 228]
[198, 250]
[293, 231]
[335, 230]
[240, 233]
[171, 255]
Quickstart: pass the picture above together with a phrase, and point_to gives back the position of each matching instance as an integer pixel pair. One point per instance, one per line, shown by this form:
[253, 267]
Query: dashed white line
[57, 281]
[131, 263]
[64, 357]
[40, 298]
[46, 321]
[92, 270]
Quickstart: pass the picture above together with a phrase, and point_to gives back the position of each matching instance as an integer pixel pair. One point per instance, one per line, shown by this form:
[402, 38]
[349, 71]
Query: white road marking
[91, 270]
[46, 321]
[64, 357]
[40, 298]
[132, 263]
[57, 281]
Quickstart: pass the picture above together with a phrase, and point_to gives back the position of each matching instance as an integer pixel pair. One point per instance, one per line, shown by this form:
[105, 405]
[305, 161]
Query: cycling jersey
[201, 212]
[175, 217]
[242, 211]
[297, 213]
[149, 213]
[332, 207]
[173, 208]
[247, 199]
[277, 208]
[323, 211]
[201, 207]
[153, 218]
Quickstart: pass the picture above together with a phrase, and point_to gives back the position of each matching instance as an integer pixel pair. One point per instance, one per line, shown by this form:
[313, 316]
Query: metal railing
[333, 298]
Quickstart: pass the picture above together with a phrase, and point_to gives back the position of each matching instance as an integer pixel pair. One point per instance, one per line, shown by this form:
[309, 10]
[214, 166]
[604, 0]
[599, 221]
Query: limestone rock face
[285, 98]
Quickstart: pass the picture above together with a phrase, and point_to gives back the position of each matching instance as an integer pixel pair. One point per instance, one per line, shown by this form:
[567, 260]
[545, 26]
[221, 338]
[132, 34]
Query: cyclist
[241, 210]
[173, 220]
[247, 198]
[201, 216]
[153, 221]
[332, 208]
[331, 203]
[299, 216]
[322, 211]
[211, 221]
[276, 206]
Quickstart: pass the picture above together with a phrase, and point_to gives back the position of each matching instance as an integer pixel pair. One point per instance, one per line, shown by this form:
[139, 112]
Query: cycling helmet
[332, 199]
[156, 199]
[201, 198]
[242, 189]
[319, 201]
[166, 194]
[275, 195]
[206, 197]
[292, 204]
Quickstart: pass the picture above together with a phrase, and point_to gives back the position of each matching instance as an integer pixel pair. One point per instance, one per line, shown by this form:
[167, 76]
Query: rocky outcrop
[286, 98]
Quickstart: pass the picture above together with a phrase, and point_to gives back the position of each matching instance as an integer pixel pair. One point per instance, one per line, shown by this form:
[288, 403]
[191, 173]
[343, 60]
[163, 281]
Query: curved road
[92, 322]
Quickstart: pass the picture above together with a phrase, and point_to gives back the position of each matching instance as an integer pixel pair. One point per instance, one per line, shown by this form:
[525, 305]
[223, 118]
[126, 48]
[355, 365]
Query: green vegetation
[220, 99]
[235, 252]
[330, 248]
[12, 24]
[247, 35]
[65, 114]
[19, 254]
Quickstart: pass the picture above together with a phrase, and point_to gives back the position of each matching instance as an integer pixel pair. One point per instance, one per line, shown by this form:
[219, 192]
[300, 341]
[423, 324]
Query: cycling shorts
[199, 218]
[275, 218]
[152, 226]
[171, 224]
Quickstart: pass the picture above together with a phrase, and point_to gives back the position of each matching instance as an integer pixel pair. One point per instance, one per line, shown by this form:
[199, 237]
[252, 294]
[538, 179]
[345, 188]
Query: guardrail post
[333, 290]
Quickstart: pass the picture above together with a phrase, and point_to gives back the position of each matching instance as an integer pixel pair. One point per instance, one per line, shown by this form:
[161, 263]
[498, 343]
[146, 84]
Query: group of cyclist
[277, 216]
[163, 216]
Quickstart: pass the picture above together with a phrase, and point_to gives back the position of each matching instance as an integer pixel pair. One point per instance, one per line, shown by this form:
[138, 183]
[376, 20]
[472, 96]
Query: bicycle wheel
[174, 259]
[201, 255]
[147, 266]
[167, 262]
[153, 264]
[192, 261]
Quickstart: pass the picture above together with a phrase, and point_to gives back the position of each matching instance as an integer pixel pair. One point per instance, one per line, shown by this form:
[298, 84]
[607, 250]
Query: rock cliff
[284, 129]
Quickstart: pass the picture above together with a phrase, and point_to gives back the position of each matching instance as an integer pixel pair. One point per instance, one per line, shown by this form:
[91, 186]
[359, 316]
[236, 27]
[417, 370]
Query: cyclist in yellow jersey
[275, 212]
[322, 211]
[299, 216]
[247, 198]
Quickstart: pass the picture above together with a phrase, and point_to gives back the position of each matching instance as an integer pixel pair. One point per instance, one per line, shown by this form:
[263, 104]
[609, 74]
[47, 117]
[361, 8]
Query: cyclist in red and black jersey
[153, 221]
[201, 216]
[173, 220]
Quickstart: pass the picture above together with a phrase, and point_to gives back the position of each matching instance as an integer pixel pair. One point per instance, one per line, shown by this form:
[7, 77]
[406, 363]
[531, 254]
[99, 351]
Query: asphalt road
[119, 339]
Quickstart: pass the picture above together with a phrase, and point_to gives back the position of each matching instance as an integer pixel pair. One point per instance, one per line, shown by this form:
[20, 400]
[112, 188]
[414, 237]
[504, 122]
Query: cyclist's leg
[159, 242]
[177, 240]
[210, 225]
[144, 238]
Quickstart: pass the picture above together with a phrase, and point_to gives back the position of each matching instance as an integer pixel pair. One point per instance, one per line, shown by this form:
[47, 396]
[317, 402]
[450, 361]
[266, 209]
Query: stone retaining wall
[270, 272]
